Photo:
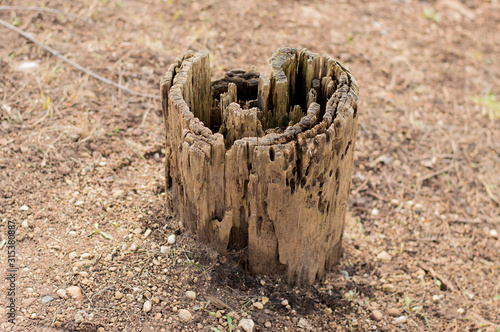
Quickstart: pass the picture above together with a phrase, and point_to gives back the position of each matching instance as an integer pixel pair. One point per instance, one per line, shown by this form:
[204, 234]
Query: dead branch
[77, 66]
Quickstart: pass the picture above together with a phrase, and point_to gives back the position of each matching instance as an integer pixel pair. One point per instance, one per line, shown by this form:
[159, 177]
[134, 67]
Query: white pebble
[246, 324]
[25, 224]
[185, 314]
[171, 239]
[133, 247]
[72, 234]
[117, 193]
[384, 256]
[147, 306]
[494, 233]
[191, 295]
[164, 249]
[147, 233]
[435, 298]
[374, 212]
[24, 208]
[27, 66]
[62, 293]
[418, 207]
[400, 320]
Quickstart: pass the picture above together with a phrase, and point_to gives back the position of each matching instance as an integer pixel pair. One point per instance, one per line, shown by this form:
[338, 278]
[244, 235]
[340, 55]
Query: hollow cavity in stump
[263, 163]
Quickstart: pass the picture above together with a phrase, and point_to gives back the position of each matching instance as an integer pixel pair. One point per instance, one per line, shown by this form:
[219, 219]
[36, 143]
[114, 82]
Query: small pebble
[393, 312]
[138, 230]
[118, 295]
[344, 273]
[385, 160]
[400, 320]
[118, 193]
[435, 298]
[264, 300]
[494, 233]
[24, 208]
[72, 234]
[258, 305]
[171, 239]
[164, 249]
[384, 256]
[85, 255]
[461, 311]
[268, 325]
[327, 311]
[284, 303]
[185, 315]
[388, 288]
[84, 263]
[46, 299]
[72, 255]
[304, 323]
[147, 306]
[376, 315]
[246, 324]
[374, 212]
[25, 224]
[420, 272]
[147, 233]
[62, 293]
[394, 202]
[133, 247]
[191, 295]
[75, 292]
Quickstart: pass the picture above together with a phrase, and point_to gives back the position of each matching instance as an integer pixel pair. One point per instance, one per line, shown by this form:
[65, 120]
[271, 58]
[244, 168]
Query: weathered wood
[263, 164]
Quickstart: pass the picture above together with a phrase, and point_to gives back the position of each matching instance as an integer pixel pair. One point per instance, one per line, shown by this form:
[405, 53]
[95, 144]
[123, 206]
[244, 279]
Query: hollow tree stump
[263, 163]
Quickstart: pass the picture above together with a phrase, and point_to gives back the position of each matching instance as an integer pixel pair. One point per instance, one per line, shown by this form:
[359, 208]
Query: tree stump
[263, 163]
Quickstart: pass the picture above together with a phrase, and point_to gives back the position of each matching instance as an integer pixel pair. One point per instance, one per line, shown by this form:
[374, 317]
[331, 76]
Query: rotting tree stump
[263, 163]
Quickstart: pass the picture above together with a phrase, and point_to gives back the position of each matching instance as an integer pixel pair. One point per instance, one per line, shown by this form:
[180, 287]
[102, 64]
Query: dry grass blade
[77, 66]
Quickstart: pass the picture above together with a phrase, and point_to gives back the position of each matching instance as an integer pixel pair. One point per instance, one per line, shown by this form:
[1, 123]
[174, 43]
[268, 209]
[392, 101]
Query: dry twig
[46, 10]
[77, 66]
[488, 190]
[445, 283]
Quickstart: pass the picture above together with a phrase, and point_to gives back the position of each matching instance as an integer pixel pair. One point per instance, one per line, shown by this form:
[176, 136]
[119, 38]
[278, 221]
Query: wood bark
[263, 163]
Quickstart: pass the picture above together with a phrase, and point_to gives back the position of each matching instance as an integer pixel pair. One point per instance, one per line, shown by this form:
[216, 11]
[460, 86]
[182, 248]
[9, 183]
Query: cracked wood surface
[263, 164]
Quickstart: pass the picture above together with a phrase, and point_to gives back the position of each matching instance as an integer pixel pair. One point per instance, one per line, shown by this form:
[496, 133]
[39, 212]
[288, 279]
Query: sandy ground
[81, 169]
